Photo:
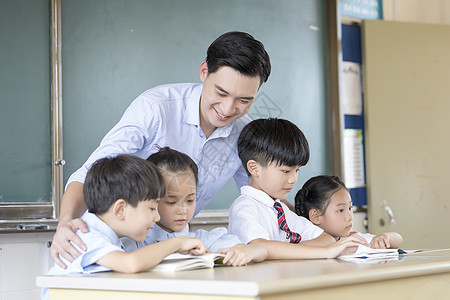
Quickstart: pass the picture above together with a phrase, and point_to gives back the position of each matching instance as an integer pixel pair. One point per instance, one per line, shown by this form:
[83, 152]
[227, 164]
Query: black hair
[126, 177]
[273, 140]
[240, 51]
[316, 194]
[171, 160]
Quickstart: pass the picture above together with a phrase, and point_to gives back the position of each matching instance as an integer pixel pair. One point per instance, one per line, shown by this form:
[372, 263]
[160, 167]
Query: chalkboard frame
[45, 212]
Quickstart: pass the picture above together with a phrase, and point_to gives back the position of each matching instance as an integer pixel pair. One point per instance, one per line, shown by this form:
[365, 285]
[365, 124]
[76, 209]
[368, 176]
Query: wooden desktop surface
[413, 277]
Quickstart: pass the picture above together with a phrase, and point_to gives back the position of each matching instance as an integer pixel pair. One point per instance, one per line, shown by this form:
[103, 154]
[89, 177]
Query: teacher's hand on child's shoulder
[61, 241]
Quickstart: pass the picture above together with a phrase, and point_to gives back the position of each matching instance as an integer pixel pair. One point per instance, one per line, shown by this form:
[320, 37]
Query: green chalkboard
[113, 50]
[25, 112]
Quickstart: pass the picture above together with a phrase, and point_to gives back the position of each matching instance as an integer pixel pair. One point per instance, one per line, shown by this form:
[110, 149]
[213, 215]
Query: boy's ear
[252, 167]
[119, 208]
[314, 216]
[203, 71]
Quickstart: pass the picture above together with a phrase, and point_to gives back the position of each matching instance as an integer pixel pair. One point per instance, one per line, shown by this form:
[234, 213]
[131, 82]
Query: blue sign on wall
[362, 9]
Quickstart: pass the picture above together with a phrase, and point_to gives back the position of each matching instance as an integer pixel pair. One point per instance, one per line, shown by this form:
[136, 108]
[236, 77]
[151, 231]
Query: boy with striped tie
[272, 152]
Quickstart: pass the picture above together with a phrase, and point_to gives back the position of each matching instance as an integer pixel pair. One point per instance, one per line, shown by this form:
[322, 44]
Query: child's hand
[380, 241]
[192, 246]
[242, 254]
[346, 245]
[235, 256]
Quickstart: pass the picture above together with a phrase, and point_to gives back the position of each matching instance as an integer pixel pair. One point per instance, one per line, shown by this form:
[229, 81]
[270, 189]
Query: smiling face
[338, 216]
[276, 181]
[226, 96]
[178, 206]
[140, 219]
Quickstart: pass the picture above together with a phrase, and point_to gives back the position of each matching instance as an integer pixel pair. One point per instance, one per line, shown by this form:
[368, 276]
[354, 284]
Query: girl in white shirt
[326, 202]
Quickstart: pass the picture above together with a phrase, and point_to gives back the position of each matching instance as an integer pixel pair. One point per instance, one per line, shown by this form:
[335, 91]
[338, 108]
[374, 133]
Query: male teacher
[202, 120]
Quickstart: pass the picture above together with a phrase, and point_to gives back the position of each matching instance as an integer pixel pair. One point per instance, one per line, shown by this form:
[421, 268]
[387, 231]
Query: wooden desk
[416, 276]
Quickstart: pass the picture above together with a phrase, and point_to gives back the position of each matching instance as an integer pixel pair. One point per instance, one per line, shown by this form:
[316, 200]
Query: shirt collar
[258, 195]
[158, 234]
[222, 131]
[184, 232]
[98, 224]
[192, 113]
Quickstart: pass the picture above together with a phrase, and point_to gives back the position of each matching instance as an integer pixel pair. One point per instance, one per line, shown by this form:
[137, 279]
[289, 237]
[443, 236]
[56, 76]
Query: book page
[180, 262]
[369, 255]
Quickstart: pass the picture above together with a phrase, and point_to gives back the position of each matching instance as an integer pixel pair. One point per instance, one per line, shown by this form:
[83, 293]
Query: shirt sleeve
[217, 238]
[132, 133]
[244, 223]
[98, 246]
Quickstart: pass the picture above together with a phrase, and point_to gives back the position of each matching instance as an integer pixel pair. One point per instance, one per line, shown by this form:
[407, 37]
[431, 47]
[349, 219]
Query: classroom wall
[430, 11]
[78, 54]
[114, 50]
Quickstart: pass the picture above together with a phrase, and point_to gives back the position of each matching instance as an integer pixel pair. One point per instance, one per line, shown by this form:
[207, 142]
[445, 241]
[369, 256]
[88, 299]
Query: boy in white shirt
[272, 152]
[122, 195]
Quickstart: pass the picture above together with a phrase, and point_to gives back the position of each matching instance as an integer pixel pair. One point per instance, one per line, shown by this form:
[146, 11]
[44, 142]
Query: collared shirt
[169, 115]
[100, 241]
[215, 239]
[252, 216]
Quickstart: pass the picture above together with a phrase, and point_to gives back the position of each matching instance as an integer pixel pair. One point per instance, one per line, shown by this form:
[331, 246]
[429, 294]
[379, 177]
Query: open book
[182, 262]
[368, 255]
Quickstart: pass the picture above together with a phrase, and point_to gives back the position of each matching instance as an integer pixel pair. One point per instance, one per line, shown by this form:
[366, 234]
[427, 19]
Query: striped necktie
[293, 237]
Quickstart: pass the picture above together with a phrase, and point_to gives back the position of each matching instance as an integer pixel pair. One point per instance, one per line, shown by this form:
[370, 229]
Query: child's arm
[149, 256]
[326, 239]
[322, 240]
[242, 254]
[386, 240]
[282, 250]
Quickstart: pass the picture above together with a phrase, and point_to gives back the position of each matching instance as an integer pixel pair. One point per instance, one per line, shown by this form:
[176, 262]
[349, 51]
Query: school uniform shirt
[169, 115]
[252, 216]
[100, 241]
[215, 239]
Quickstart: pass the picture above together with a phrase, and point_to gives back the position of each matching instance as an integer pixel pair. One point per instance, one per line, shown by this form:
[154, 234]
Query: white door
[406, 75]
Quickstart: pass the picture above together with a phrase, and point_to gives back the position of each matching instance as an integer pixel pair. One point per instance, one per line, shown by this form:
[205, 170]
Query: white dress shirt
[252, 216]
[169, 115]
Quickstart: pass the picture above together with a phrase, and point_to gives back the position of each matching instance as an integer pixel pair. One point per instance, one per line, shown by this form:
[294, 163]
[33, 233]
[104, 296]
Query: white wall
[422, 11]
[23, 256]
